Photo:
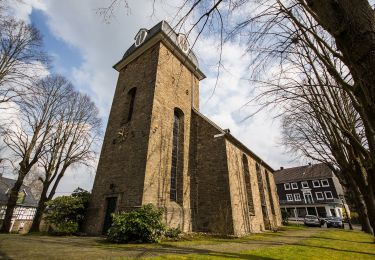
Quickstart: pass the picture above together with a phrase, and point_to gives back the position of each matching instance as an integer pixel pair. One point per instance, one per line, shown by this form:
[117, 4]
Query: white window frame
[328, 192]
[297, 197]
[286, 185]
[289, 197]
[316, 185]
[294, 184]
[303, 184]
[325, 185]
[321, 195]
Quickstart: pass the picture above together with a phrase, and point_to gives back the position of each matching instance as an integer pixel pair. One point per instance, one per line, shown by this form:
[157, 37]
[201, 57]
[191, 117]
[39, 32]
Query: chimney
[281, 168]
[227, 131]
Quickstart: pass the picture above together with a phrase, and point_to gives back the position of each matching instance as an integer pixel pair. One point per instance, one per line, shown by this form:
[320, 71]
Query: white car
[311, 220]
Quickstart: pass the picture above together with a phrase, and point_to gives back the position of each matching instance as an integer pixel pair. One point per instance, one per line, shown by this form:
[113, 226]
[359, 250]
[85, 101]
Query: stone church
[158, 148]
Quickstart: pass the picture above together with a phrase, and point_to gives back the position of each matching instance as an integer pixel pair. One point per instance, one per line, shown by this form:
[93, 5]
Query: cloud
[101, 45]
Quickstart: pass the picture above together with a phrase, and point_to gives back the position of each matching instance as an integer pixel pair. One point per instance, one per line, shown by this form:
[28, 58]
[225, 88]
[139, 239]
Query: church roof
[7, 184]
[307, 172]
[165, 28]
[171, 36]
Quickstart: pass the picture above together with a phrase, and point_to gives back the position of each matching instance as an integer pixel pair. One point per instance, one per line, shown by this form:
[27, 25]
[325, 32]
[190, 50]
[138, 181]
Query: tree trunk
[12, 201]
[362, 211]
[40, 210]
[370, 204]
[352, 25]
[363, 216]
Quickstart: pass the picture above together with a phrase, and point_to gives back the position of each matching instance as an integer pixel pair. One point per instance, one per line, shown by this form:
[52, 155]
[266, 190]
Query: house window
[130, 106]
[297, 197]
[286, 186]
[328, 195]
[304, 184]
[319, 195]
[294, 186]
[325, 183]
[316, 183]
[289, 197]
[245, 164]
[177, 154]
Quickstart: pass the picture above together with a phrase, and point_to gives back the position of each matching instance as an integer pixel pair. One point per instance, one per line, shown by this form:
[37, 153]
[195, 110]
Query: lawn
[292, 243]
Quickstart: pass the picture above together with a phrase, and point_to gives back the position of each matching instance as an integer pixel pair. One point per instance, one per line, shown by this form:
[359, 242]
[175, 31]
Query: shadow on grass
[336, 249]
[4, 256]
[343, 240]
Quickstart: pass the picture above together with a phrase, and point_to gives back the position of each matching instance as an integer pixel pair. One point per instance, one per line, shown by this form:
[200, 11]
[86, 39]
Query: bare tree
[21, 56]
[27, 134]
[73, 141]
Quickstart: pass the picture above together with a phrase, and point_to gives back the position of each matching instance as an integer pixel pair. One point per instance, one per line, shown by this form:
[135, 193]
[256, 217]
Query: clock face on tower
[140, 37]
[183, 43]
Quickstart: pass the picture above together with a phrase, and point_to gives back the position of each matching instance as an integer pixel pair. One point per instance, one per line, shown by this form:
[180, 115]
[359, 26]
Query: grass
[330, 244]
[289, 243]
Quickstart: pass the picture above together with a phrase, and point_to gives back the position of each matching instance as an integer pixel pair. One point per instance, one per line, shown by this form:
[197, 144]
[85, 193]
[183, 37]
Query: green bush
[66, 213]
[285, 217]
[142, 225]
[172, 232]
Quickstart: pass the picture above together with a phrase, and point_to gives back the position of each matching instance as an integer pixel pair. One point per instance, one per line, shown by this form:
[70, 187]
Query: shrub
[285, 217]
[142, 225]
[66, 213]
[172, 232]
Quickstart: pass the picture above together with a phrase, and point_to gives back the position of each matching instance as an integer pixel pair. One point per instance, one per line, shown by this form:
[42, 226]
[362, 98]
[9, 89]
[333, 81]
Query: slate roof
[307, 172]
[165, 28]
[6, 184]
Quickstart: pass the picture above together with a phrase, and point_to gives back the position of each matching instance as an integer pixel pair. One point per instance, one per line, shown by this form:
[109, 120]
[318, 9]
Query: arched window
[177, 155]
[130, 105]
[270, 191]
[262, 195]
[249, 192]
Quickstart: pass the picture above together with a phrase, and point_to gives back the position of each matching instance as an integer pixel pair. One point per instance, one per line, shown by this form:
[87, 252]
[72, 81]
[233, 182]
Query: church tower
[145, 153]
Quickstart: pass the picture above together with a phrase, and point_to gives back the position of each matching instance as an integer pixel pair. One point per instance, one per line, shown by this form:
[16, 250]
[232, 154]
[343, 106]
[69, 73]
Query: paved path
[47, 247]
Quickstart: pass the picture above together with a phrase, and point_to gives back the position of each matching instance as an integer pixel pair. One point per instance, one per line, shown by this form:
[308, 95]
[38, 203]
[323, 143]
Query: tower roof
[170, 37]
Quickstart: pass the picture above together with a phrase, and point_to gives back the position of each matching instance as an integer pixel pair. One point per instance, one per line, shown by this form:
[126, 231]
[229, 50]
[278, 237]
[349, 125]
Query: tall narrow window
[249, 192]
[270, 191]
[130, 107]
[262, 197]
[177, 154]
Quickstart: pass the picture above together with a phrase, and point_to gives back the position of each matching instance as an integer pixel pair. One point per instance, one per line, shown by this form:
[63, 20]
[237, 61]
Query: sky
[84, 49]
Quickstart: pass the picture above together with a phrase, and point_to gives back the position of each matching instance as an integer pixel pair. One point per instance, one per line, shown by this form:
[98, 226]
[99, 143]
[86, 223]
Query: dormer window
[183, 43]
[140, 37]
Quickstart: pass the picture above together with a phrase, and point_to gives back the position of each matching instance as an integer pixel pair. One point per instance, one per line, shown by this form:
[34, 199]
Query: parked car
[311, 220]
[335, 222]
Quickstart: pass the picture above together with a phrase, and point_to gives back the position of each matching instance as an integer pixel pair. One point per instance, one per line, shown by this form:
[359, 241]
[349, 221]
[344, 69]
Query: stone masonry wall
[173, 89]
[243, 221]
[211, 203]
[123, 158]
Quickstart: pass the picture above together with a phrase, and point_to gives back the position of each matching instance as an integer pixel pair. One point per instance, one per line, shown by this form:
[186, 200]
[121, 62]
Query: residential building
[160, 149]
[310, 189]
[24, 212]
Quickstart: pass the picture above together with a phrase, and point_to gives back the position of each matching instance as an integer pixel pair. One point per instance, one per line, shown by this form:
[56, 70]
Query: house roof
[170, 35]
[307, 172]
[234, 140]
[7, 184]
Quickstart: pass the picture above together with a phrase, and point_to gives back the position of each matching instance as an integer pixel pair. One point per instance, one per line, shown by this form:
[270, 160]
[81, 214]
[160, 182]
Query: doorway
[111, 207]
[308, 198]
